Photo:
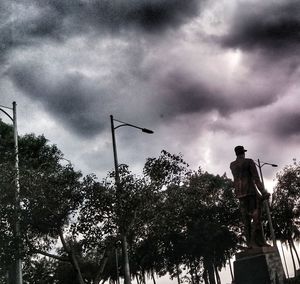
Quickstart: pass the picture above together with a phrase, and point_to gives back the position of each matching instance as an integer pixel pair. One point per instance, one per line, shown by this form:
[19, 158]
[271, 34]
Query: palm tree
[286, 208]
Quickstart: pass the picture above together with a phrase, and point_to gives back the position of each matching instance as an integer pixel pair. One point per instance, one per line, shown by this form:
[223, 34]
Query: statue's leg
[256, 228]
[258, 232]
[255, 213]
[246, 219]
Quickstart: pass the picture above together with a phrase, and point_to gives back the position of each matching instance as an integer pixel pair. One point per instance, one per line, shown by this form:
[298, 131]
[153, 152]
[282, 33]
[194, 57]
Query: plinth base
[258, 266]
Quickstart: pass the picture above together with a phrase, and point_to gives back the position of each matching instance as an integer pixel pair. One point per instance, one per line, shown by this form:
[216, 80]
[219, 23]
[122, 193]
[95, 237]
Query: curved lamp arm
[7, 114]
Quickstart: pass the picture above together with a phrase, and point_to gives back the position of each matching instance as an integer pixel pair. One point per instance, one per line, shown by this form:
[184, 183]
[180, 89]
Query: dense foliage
[286, 208]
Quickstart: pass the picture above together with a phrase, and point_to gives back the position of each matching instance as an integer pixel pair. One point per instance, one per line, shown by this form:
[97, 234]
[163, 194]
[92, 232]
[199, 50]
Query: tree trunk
[210, 270]
[217, 275]
[192, 274]
[231, 272]
[177, 274]
[197, 277]
[101, 268]
[127, 278]
[117, 265]
[76, 265]
[72, 256]
[11, 279]
[204, 275]
[286, 268]
[296, 253]
[211, 274]
[153, 278]
[294, 264]
[140, 276]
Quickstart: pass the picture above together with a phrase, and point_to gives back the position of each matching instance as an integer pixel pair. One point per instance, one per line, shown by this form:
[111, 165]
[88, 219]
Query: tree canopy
[286, 208]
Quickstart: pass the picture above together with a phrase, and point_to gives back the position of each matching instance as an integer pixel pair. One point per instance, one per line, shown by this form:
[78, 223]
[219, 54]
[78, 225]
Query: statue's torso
[243, 177]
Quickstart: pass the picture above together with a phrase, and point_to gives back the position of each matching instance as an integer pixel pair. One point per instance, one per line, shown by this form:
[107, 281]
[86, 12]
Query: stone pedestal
[258, 266]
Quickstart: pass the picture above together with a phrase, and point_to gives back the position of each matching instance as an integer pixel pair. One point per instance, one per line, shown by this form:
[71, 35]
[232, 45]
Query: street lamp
[18, 261]
[127, 279]
[260, 165]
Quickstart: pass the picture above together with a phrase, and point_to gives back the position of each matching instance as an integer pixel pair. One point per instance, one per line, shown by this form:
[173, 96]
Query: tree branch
[61, 258]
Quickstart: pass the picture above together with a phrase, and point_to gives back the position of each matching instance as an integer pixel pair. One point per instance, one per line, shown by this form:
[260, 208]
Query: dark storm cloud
[269, 26]
[82, 104]
[287, 125]
[28, 22]
[181, 93]
[5, 29]
[156, 15]
[73, 99]
[24, 24]
[114, 14]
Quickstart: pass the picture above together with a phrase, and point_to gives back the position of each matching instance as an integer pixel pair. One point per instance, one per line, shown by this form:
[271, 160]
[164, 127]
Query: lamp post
[123, 232]
[260, 165]
[18, 262]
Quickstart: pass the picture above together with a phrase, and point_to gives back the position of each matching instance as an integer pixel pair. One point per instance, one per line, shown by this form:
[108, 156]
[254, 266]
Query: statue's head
[239, 150]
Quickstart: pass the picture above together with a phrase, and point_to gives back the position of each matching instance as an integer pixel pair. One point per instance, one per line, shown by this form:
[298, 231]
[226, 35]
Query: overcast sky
[204, 75]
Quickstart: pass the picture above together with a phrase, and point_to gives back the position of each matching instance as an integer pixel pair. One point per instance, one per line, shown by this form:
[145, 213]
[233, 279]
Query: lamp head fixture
[148, 131]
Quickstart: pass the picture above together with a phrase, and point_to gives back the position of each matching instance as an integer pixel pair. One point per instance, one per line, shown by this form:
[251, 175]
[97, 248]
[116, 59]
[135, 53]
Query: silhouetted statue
[251, 194]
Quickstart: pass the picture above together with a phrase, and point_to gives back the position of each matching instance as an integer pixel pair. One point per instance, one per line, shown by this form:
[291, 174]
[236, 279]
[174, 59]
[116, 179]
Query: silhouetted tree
[51, 194]
[193, 223]
[286, 207]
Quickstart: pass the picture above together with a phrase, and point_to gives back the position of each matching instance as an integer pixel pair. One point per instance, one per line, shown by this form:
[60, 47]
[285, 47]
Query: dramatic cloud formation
[72, 98]
[27, 23]
[272, 26]
[287, 125]
[205, 75]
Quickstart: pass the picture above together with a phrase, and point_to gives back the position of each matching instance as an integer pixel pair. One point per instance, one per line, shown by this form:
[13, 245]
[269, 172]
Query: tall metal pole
[127, 278]
[267, 208]
[122, 228]
[15, 273]
[18, 261]
[117, 178]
